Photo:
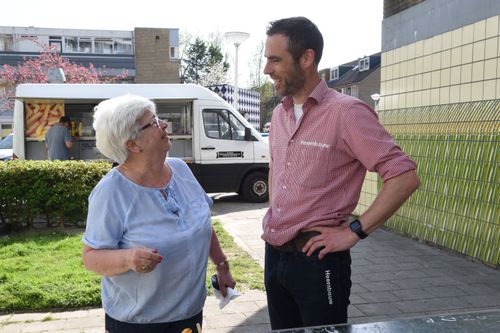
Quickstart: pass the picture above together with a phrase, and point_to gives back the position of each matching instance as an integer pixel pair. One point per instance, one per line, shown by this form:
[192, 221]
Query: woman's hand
[143, 260]
[225, 278]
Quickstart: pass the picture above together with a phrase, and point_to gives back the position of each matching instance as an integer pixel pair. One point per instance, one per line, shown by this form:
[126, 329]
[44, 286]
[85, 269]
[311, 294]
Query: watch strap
[357, 229]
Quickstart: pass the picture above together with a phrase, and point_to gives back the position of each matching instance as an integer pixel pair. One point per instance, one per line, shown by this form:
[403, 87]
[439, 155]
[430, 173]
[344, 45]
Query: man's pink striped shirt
[319, 163]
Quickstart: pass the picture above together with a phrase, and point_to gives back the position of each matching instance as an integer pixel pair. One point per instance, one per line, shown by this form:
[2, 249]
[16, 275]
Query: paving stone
[356, 299]
[381, 286]
[445, 291]
[378, 309]
[354, 312]
[379, 296]
[411, 294]
[411, 283]
[483, 300]
[478, 289]
[442, 280]
[260, 317]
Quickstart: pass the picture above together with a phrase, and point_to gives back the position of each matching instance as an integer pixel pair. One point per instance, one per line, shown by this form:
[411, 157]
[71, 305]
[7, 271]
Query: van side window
[177, 115]
[222, 124]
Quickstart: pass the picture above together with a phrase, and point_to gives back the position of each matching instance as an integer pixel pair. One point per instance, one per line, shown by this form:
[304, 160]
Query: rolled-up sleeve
[370, 143]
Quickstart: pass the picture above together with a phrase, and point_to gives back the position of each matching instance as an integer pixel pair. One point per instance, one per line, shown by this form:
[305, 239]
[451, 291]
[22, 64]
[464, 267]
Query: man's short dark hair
[64, 119]
[302, 35]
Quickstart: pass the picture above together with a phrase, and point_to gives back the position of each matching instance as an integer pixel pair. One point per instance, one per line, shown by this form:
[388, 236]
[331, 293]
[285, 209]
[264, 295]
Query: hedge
[54, 193]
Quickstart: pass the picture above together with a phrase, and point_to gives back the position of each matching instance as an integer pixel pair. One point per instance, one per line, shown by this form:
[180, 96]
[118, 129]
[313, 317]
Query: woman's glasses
[155, 122]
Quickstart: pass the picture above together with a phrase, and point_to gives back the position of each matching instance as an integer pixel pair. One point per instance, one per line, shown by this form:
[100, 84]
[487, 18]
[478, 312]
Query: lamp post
[376, 99]
[236, 38]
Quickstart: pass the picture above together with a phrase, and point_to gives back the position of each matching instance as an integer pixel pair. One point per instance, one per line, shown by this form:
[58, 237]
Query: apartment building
[359, 78]
[147, 55]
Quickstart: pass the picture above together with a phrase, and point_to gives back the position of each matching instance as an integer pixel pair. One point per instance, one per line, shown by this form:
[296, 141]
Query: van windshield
[6, 142]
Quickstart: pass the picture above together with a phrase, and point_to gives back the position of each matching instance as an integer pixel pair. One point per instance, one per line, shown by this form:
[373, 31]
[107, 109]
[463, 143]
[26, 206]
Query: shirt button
[272, 230]
[292, 141]
[284, 187]
[288, 163]
[279, 210]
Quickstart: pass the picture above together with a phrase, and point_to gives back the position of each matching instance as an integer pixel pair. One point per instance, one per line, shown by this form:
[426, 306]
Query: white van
[225, 153]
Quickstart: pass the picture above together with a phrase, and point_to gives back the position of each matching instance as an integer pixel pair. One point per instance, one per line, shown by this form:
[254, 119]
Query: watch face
[355, 225]
[356, 228]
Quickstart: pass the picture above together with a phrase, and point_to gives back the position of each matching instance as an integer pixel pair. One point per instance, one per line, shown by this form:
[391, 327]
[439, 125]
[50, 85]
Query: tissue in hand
[223, 301]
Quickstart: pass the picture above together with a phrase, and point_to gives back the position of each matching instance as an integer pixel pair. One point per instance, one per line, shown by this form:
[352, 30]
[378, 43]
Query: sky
[351, 28]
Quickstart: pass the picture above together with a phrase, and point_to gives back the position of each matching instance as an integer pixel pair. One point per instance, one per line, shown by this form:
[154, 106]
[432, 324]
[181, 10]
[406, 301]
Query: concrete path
[393, 278]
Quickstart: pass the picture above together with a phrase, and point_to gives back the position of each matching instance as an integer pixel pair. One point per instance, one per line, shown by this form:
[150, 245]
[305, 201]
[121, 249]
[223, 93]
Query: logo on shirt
[315, 144]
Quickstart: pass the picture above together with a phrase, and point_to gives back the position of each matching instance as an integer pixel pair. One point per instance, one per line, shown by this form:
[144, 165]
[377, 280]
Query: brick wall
[152, 57]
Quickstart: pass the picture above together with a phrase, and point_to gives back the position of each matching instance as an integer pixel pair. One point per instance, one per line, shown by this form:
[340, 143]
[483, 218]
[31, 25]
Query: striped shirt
[319, 163]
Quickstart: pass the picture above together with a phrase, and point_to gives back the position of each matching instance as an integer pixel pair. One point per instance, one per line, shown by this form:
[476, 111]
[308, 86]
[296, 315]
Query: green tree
[260, 82]
[256, 65]
[204, 62]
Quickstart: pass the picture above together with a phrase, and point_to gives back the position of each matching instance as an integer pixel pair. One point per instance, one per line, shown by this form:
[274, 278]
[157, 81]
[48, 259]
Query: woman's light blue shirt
[123, 214]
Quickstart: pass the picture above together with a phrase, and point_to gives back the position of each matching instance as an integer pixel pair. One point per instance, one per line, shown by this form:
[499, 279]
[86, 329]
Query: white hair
[115, 122]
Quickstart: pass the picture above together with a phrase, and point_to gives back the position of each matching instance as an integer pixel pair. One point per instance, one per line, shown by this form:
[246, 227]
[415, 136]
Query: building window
[350, 90]
[123, 46]
[85, 45]
[364, 64]
[334, 73]
[354, 91]
[6, 43]
[174, 52]
[70, 44]
[173, 41]
[103, 46]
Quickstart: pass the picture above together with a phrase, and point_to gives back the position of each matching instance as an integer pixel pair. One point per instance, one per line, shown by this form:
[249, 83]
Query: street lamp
[376, 99]
[236, 38]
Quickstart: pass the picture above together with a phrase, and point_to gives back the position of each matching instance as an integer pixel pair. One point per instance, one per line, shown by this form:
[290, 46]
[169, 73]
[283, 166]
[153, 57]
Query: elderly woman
[149, 232]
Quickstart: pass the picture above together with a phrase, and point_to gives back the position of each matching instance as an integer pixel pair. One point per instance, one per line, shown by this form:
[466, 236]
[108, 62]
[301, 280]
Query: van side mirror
[248, 135]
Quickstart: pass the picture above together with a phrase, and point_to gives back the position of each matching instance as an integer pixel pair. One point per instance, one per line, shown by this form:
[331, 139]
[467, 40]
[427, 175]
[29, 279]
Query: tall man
[322, 142]
[58, 140]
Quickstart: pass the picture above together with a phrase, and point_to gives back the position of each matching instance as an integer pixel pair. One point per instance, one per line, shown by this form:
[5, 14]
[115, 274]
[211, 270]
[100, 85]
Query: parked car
[6, 148]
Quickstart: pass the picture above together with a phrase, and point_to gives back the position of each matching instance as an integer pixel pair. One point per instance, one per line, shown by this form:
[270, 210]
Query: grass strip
[43, 270]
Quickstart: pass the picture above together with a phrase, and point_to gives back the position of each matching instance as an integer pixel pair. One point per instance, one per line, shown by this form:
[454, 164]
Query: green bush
[54, 192]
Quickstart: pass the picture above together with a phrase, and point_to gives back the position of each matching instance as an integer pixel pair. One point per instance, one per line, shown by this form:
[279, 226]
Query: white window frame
[354, 90]
[334, 73]
[364, 64]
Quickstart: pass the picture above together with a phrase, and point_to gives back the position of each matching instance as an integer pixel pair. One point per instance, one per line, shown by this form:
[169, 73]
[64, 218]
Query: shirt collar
[316, 96]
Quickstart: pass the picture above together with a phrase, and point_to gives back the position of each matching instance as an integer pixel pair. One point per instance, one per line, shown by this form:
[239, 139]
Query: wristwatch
[356, 228]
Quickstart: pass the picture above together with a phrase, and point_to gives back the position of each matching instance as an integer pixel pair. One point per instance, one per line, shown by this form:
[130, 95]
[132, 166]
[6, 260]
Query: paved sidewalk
[393, 278]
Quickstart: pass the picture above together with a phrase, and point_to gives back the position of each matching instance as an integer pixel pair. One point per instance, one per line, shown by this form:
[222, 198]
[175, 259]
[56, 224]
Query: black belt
[296, 244]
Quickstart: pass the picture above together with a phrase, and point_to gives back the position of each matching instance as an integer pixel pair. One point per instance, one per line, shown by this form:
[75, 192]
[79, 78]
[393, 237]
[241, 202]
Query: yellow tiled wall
[462, 65]
[440, 100]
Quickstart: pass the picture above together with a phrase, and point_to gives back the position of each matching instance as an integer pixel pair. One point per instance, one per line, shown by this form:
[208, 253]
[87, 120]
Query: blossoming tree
[35, 69]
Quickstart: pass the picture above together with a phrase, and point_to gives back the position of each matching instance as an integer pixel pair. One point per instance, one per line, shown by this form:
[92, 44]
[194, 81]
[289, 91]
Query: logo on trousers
[328, 287]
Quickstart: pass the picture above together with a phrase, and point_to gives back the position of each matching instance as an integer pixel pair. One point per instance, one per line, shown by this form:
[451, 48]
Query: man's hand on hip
[331, 239]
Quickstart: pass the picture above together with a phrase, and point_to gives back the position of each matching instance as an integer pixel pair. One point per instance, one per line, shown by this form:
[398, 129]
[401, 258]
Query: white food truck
[225, 153]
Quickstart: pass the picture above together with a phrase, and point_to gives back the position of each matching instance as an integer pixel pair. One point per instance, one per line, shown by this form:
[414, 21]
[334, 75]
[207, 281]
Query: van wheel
[254, 188]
